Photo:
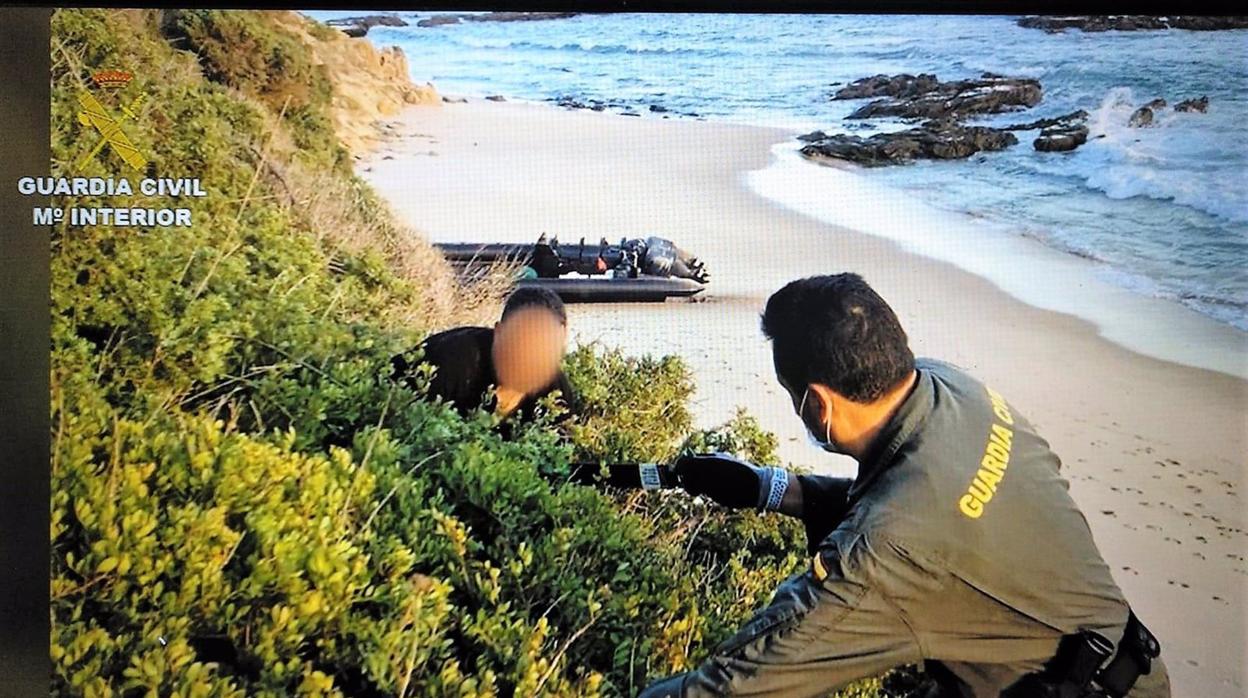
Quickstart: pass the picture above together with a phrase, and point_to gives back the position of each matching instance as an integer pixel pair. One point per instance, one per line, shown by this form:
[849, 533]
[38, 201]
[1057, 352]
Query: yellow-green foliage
[260, 60]
[245, 504]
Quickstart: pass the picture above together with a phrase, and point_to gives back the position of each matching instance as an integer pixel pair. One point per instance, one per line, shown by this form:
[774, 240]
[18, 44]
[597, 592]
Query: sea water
[1160, 212]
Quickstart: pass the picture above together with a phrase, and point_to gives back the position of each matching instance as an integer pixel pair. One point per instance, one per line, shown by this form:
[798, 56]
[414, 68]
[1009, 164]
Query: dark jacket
[464, 372]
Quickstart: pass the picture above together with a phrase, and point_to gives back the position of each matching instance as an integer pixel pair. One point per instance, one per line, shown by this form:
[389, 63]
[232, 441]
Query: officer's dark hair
[837, 331]
[535, 297]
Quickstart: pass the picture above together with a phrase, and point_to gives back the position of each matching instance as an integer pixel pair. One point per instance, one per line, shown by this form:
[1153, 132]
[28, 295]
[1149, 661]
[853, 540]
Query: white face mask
[826, 444]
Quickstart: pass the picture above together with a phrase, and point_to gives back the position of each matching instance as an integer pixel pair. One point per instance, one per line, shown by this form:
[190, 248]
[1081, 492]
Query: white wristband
[777, 483]
[649, 473]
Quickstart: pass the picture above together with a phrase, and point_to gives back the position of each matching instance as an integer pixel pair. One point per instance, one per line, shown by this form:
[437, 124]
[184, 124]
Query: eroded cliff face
[370, 84]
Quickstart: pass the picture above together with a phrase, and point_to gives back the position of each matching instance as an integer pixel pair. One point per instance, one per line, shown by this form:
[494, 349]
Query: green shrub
[241, 50]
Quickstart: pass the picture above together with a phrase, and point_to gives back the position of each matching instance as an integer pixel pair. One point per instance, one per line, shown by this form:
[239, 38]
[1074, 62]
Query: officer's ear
[821, 402]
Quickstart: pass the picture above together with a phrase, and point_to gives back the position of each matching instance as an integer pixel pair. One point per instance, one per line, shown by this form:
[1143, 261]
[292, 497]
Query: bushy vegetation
[244, 503]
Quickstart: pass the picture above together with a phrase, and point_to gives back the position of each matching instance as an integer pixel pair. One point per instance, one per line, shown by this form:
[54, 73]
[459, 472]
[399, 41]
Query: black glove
[725, 479]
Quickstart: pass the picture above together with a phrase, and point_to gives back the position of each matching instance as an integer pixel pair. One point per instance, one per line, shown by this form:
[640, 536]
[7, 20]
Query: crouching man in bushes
[517, 361]
[957, 543]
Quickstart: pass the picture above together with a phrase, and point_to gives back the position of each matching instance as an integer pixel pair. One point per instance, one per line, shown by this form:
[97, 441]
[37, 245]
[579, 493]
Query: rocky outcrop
[1198, 105]
[925, 97]
[1101, 23]
[356, 27]
[943, 105]
[445, 19]
[369, 84]
[940, 140]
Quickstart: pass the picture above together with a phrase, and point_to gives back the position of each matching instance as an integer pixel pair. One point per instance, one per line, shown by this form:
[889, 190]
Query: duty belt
[1078, 669]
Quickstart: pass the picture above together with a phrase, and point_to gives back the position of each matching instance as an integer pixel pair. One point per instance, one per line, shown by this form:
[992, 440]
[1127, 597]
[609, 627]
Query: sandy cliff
[370, 85]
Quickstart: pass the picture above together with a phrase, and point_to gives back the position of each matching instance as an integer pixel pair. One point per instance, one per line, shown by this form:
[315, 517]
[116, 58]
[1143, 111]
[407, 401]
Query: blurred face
[528, 348]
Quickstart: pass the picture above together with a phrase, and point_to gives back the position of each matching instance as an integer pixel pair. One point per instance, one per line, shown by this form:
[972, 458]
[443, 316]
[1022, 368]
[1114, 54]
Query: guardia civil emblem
[94, 114]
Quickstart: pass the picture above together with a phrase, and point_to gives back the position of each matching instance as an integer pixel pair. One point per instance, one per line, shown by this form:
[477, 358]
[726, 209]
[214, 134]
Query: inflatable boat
[634, 270]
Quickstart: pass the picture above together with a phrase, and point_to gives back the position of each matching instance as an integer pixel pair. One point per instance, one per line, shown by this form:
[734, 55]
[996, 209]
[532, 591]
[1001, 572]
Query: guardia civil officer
[957, 543]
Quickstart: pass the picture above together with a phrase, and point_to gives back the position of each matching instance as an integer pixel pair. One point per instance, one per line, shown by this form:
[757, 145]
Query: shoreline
[1154, 450]
[1049, 278]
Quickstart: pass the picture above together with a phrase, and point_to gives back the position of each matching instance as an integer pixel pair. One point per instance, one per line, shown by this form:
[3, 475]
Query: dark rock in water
[444, 19]
[658, 108]
[369, 21]
[359, 26]
[1101, 23]
[1201, 105]
[1059, 133]
[934, 140]
[1061, 138]
[812, 137]
[496, 98]
[455, 100]
[903, 85]
[572, 103]
[519, 16]
[1156, 104]
[438, 21]
[1142, 117]
[1063, 120]
[629, 113]
[925, 97]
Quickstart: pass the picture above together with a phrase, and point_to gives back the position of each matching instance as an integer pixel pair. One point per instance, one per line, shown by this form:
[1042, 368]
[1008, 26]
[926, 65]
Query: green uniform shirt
[961, 544]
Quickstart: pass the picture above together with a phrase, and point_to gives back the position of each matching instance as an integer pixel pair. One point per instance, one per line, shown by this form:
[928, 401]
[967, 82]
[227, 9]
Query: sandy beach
[1155, 451]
